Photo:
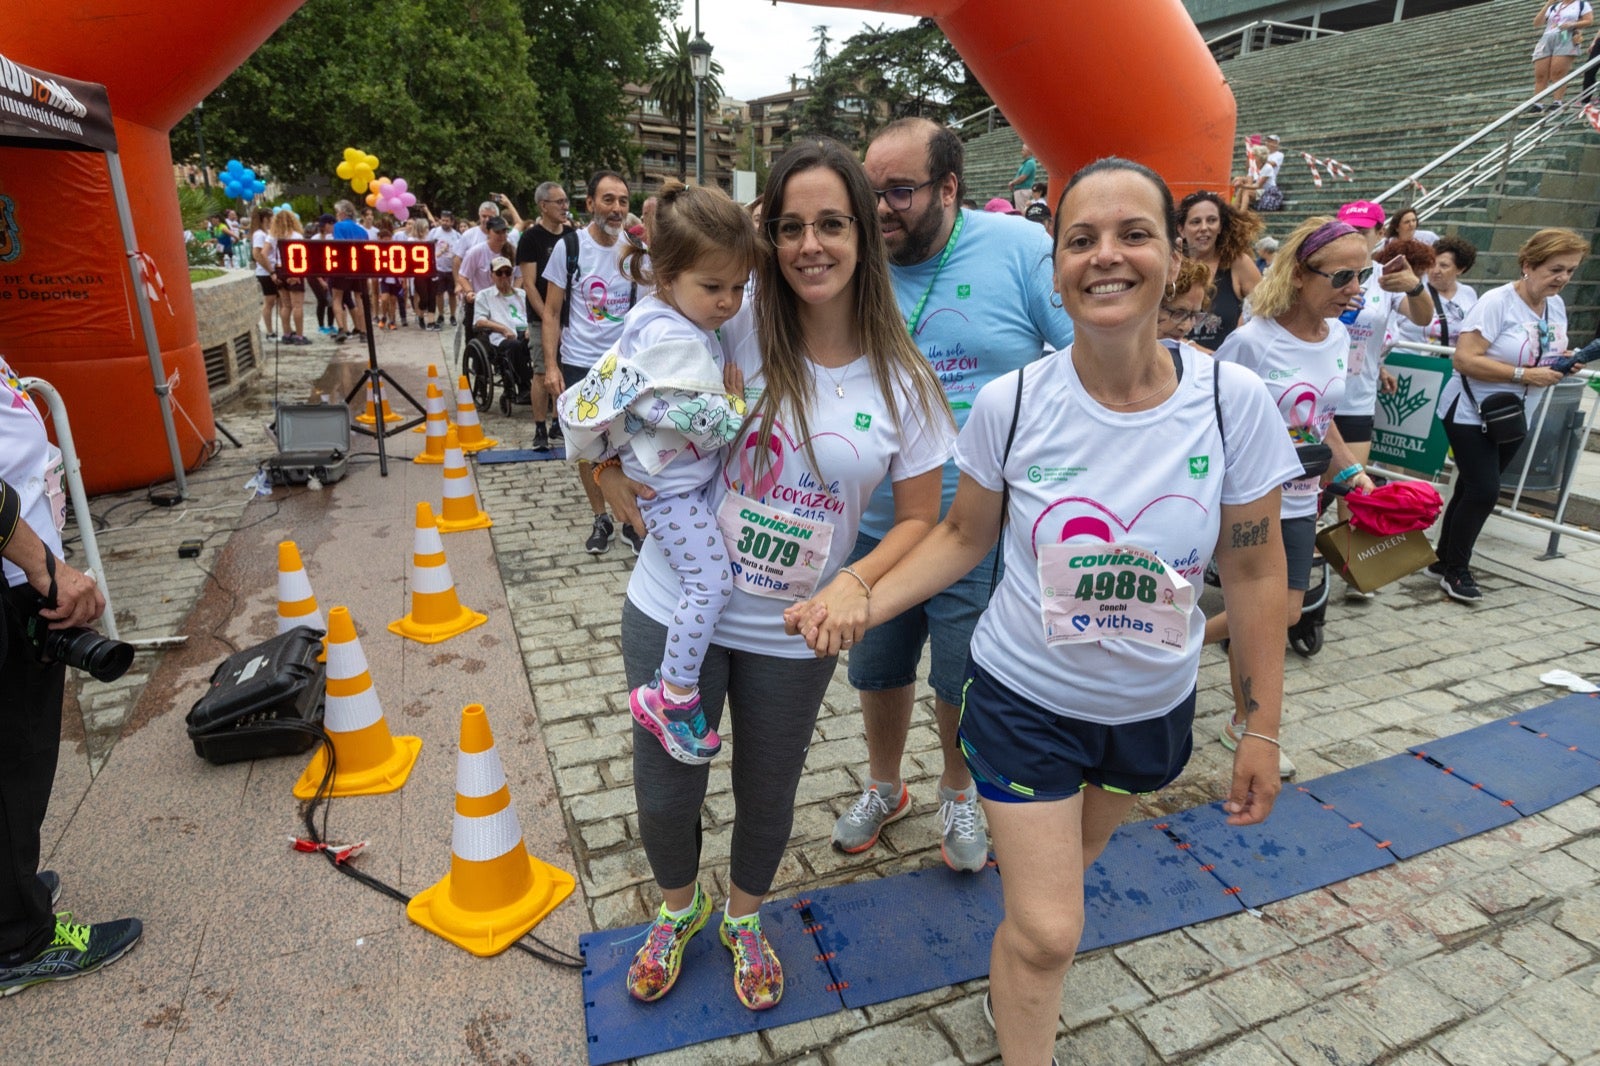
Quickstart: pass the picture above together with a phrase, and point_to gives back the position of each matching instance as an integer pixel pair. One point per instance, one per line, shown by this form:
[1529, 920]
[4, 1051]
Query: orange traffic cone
[297, 604]
[369, 417]
[460, 510]
[468, 427]
[436, 614]
[433, 379]
[438, 423]
[367, 760]
[495, 891]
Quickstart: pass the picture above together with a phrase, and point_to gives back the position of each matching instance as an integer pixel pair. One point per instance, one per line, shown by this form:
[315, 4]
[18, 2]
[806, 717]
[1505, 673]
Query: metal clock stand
[381, 379]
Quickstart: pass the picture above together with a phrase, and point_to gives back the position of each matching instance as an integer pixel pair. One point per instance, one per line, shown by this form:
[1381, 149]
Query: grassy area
[204, 273]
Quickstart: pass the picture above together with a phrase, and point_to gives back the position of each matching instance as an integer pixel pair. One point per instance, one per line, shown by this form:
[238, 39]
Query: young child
[656, 402]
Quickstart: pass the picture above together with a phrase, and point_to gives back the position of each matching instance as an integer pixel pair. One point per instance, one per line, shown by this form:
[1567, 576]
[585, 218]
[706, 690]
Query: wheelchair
[487, 365]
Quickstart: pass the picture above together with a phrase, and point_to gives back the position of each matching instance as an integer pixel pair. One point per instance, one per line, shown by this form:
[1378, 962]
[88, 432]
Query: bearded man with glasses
[976, 293]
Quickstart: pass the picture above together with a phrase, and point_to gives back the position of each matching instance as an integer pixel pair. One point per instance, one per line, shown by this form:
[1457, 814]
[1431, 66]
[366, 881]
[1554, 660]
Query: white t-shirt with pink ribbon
[1080, 474]
[1307, 382]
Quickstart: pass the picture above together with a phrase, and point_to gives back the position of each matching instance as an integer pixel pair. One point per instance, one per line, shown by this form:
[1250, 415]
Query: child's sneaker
[757, 974]
[681, 727]
[656, 964]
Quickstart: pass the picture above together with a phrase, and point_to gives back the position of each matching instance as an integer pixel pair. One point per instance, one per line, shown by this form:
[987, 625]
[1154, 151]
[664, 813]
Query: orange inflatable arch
[1078, 79]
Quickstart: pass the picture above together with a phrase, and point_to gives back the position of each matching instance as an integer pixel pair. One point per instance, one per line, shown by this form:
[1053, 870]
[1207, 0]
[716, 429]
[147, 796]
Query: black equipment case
[279, 680]
[313, 440]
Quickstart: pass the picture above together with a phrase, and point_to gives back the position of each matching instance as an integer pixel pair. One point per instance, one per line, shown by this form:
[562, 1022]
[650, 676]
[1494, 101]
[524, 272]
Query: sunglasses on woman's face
[1340, 278]
[502, 273]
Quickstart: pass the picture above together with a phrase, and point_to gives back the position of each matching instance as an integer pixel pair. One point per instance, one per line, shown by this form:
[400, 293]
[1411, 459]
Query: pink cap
[1000, 205]
[1362, 214]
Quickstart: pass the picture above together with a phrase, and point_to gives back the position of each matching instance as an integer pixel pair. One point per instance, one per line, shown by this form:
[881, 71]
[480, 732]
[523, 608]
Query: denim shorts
[1299, 543]
[1021, 752]
[887, 657]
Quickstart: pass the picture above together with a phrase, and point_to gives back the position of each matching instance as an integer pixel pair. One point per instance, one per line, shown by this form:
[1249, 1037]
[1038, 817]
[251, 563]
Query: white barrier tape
[346, 714]
[431, 580]
[486, 838]
[479, 773]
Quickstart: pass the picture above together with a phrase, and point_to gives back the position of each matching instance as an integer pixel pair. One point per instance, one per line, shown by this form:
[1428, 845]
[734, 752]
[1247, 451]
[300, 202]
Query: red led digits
[357, 259]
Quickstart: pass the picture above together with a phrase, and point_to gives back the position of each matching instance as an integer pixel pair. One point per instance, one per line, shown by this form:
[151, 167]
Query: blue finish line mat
[850, 946]
[518, 455]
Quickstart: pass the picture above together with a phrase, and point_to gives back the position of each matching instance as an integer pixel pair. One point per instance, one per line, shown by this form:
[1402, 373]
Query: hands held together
[835, 618]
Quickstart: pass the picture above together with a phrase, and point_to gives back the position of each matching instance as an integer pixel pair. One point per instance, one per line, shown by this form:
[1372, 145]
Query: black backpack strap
[1005, 486]
[1444, 319]
[570, 239]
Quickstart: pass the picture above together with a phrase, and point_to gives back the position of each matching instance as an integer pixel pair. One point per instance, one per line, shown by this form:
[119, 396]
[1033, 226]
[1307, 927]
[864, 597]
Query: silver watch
[1516, 373]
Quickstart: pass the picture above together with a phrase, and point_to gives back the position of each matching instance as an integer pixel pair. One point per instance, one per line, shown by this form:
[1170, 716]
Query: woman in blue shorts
[1115, 469]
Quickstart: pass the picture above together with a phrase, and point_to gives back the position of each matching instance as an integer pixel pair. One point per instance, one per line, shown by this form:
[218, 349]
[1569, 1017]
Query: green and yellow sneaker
[77, 949]
[656, 965]
[757, 974]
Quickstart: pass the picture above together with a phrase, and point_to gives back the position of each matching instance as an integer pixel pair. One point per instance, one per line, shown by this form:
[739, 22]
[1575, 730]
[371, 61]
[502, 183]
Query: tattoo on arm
[1251, 704]
[1250, 534]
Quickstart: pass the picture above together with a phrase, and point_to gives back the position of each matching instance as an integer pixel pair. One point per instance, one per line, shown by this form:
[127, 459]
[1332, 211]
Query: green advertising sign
[1405, 432]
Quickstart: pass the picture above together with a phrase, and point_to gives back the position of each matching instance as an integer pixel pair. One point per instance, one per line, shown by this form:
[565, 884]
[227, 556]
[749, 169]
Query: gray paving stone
[907, 1041]
[1479, 974]
[1449, 915]
[1563, 1013]
[963, 1021]
[1402, 1008]
[1324, 966]
[1176, 1025]
[739, 1050]
[1251, 1049]
[1312, 915]
[786, 1041]
[1497, 1039]
[1325, 1034]
[1544, 950]
[1502, 891]
[1390, 942]
[1110, 1043]
[1580, 918]
[1558, 872]
[1098, 986]
[1241, 939]
[1258, 994]
[1580, 814]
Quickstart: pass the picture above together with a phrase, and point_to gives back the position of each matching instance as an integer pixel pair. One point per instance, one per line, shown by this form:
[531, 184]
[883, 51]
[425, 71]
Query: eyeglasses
[830, 229]
[899, 197]
[1182, 316]
[1341, 278]
[562, 202]
[502, 273]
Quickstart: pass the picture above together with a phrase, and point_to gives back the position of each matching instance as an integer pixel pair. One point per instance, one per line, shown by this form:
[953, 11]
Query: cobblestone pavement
[1478, 954]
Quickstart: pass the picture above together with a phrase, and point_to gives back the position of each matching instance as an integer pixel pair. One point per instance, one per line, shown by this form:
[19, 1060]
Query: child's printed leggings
[685, 526]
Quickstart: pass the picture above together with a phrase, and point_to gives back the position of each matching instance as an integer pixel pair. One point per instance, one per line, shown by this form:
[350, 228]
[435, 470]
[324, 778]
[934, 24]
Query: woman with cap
[1298, 346]
[1507, 342]
[1389, 290]
[1220, 237]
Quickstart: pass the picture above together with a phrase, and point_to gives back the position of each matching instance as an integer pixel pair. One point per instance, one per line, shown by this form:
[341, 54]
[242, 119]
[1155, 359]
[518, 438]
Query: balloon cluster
[240, 182]
[285, 206]
[358, 169]
[393, 198]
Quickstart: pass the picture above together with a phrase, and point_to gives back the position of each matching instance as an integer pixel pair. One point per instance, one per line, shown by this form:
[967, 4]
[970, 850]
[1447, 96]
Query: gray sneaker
[965, 846]
[857, 829]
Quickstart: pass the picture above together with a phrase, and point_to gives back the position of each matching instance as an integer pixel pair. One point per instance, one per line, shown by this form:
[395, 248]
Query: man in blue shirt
[348, 229]
[976, 291]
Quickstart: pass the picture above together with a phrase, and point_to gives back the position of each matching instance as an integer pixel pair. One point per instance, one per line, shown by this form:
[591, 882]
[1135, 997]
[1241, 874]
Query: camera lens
[102, 658]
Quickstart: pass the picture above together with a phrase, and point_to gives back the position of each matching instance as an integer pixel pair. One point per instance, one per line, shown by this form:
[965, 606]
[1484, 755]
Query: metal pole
[119, 192]
[200, 139]
[699, 115]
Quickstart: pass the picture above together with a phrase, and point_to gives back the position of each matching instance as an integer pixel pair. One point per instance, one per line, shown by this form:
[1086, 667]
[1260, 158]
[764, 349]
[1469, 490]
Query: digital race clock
[357, 259]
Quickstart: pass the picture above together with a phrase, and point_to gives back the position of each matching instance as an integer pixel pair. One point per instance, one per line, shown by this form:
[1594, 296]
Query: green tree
[672, 85]
[820, 58]
[439, 90]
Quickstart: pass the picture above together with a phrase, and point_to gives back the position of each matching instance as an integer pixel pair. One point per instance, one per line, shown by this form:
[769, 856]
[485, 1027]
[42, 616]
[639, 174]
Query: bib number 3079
[775, 553]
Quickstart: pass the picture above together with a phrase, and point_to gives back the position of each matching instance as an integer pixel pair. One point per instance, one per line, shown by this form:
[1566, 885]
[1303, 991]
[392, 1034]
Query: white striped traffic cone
[459, 510]
[367, 760]
[297, 604]
[433, 379]
[438, 424]
[495, 891]
[468, 428]
[369, 417]
[436, 613]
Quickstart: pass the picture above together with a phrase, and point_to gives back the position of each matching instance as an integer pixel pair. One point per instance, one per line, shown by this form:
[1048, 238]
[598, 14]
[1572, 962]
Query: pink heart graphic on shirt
[757, 488]
[1098, 526]
[1300, 404]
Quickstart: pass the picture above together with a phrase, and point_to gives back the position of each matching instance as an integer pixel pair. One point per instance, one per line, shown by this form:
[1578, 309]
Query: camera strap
[50, 569]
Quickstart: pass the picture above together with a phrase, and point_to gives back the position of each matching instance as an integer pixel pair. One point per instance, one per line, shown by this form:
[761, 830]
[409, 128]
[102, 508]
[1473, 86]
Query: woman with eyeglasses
[1220, 237]
[1298, 346]
[1184, 305]
[1110, 472]
[1507, 341]
[839, 399]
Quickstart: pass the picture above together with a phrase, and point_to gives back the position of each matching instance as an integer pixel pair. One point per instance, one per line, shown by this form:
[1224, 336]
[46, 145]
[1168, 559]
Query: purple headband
[1321, 237]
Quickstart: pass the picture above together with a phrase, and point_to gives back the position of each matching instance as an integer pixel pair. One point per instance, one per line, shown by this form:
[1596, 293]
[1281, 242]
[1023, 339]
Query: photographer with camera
[43, 597]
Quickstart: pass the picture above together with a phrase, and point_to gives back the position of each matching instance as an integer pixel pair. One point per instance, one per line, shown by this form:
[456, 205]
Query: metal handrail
[1313, 31]
[990, 112]
[1416, 176]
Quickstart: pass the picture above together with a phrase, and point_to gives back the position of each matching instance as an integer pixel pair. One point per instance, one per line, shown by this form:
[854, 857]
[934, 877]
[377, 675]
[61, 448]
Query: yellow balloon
[372, 162]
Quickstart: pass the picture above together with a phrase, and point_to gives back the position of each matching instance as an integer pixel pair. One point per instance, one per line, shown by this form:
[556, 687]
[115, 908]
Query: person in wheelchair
[500, 317]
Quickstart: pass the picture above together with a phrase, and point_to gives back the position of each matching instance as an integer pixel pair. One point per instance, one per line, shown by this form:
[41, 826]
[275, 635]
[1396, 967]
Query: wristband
[1346, 474]
[603, 465]
[1516, 374]
[1262, 736]
[1418, 291]
[864, 586]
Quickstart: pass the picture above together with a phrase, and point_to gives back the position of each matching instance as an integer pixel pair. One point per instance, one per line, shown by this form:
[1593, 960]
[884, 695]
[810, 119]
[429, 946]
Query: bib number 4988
[1122, 586]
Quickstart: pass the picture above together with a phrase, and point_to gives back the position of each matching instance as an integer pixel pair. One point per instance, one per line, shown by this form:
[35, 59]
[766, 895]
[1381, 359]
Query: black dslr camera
[101, 657]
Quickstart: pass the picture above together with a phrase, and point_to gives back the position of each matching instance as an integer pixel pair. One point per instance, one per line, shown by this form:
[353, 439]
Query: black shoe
[631, 535]
[1458, 585]
[52, 882]
[541, 440]
[452, 320]
[1434, 569]
[76, 950]
[600, 536]
[522, 399]
[555, 430]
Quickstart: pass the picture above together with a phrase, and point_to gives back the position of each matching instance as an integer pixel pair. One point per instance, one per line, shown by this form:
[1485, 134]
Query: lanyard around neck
[950, 246]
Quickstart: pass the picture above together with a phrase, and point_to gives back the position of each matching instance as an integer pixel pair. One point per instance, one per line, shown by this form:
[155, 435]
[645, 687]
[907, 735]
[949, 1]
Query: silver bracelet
[1262, 736]
[864, 586]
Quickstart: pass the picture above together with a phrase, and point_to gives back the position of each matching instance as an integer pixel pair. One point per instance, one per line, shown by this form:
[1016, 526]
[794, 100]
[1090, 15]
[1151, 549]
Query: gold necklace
[837, 382]
[1129, 403]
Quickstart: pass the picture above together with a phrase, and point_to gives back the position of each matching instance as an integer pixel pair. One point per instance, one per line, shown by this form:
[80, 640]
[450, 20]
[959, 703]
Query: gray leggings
[775, 703]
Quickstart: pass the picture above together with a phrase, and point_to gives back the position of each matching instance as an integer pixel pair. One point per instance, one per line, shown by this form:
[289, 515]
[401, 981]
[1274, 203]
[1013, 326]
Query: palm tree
[672, 86]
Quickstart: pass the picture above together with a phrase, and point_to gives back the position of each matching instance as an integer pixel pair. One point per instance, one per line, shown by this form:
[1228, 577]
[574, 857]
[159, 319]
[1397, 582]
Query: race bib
[1302, 486]
[775, 554]
[1112, 592]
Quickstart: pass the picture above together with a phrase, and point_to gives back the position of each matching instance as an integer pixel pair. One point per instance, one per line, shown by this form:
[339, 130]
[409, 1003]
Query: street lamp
[564, 148]
[200, 141]
[700, 66]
